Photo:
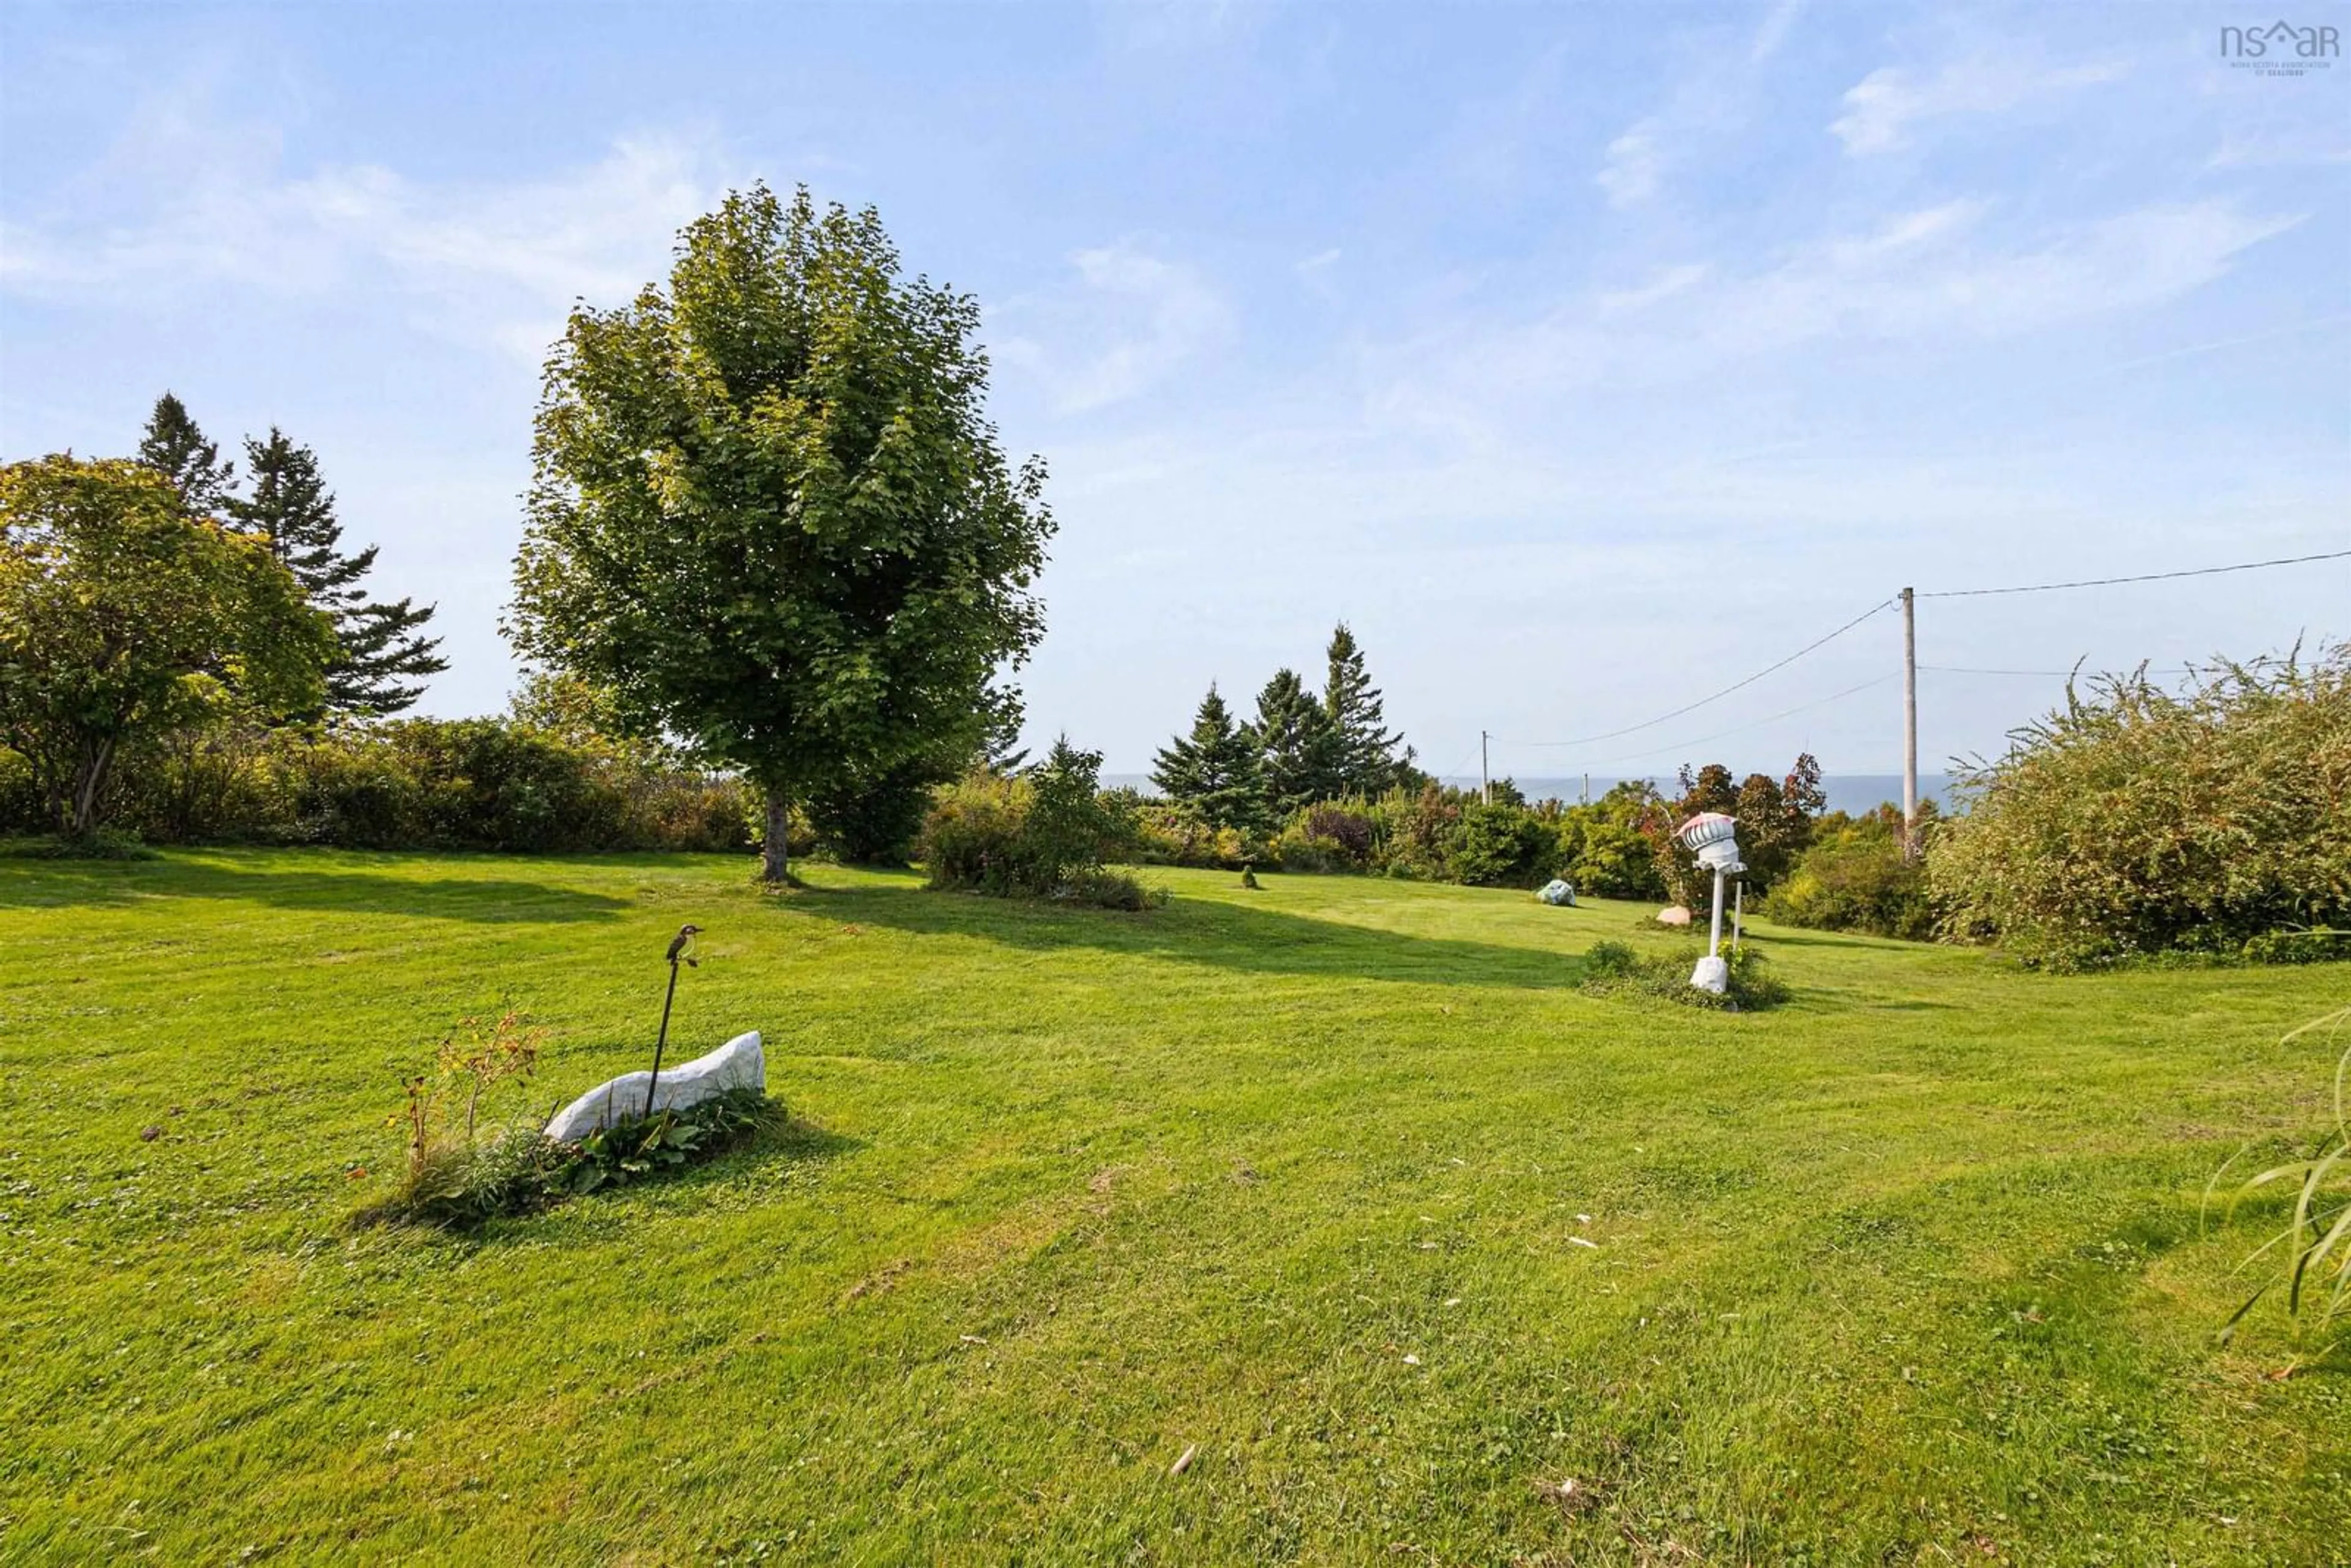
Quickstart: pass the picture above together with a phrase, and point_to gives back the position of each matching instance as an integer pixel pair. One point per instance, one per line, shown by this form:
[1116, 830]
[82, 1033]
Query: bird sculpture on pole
[680, 951]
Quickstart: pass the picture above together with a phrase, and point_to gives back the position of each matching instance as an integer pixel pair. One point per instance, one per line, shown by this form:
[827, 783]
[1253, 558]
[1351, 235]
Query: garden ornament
[680, 949]
[1711, 836]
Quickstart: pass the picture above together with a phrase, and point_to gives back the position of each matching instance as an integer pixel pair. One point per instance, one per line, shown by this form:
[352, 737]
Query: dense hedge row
[477, 784]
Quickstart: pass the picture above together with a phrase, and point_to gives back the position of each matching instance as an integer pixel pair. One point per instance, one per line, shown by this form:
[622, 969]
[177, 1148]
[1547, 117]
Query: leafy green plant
[449, 1170]
[2311, 1257]
[666, 1141]
[1616, 969]
[1854, 877]
[1044, 834]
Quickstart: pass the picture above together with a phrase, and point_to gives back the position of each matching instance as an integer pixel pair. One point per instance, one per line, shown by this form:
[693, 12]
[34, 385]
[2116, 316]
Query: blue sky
[1584, 359]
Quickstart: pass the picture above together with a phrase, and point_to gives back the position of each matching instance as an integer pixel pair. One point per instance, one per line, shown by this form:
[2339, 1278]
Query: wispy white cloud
[1932, 273]
[1881, 109]
[1939, 278]
[1314, 272]
[1635, 166]
[187, 199]
[1717, 93]
[2276, 146]
[1123, 324]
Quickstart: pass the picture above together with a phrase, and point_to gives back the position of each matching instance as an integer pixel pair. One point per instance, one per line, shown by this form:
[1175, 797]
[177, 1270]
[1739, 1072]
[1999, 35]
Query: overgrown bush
[2135, 821]
[1854, 877]
[1613, 969]
[1174, 832]
[1046, 833]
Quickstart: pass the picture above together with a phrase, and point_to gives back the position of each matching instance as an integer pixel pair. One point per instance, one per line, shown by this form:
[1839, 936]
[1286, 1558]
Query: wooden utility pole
[1485, 779]
[1909, 725]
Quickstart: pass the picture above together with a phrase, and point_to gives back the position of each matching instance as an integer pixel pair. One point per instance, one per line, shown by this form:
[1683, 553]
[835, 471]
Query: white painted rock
[1558, 891]
[1712, 973]
[737, 1064]
[1674, 914]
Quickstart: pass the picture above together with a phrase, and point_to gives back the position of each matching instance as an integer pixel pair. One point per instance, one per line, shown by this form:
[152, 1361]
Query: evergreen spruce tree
[1367, 750]
[175, 448]
[1299, 747]
[383, 655]
[1215, 768]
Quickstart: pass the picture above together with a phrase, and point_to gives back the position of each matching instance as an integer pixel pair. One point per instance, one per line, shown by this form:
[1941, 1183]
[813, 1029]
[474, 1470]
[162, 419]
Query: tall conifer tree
[1301, 751]
[385, 657]
[174, 447]
[1366, 750]
[1215, 768]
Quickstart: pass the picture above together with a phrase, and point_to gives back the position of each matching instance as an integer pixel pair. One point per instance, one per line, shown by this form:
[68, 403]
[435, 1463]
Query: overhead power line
[1751, 723]
[1874, 609]
[1735, 685]
[2146, 577]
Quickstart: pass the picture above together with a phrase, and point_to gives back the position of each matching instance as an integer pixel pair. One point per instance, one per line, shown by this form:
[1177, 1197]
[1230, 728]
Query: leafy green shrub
[1854, 877]
[631, 1151]
[22, 808]
[1503, 846]
[1046, 833]
[1606, 857]
[2135, 821]
[1175, 833]
[1615, 970]
[1324, 838]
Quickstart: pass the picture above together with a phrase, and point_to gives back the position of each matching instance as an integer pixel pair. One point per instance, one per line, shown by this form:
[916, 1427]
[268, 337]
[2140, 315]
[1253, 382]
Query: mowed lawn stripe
[1301, 1177]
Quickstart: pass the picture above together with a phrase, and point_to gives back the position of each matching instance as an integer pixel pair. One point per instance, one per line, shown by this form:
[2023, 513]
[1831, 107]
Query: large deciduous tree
[1215, 768]
[770, 514]
[124, 614]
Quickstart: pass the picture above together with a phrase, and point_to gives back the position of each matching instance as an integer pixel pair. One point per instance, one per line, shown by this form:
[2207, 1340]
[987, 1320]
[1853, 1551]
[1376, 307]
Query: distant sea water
[1853, 792]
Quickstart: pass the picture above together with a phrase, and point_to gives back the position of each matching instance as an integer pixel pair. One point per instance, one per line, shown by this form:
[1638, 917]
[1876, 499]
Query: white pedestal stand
[1712, 973]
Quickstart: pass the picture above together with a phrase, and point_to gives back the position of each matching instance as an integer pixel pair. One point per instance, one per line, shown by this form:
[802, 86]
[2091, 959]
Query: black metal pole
[654, 1081]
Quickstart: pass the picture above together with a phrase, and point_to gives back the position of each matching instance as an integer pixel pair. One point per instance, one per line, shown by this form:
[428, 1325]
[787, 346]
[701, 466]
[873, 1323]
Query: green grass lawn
[1908, 1270]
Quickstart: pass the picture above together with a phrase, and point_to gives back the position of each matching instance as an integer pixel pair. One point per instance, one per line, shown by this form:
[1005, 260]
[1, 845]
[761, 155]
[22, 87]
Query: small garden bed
[523, 1171]
[1615, 969]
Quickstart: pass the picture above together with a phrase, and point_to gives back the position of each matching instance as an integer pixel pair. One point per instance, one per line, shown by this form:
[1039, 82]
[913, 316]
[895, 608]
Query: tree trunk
[775, 854]
[86, 787]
